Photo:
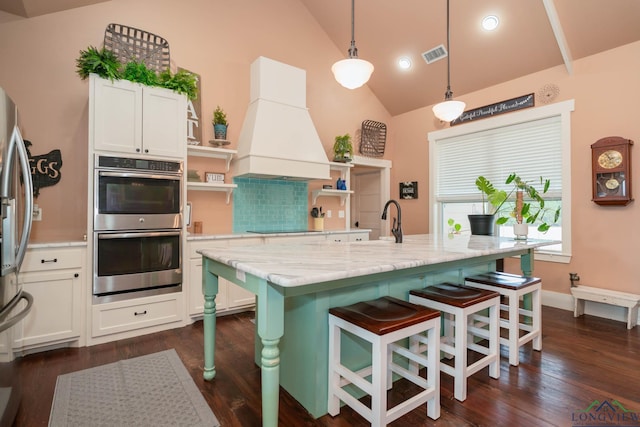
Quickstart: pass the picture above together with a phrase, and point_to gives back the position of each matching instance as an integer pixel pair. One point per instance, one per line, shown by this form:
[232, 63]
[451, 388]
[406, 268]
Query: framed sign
[513, 104]
[409, 190]
[194, 117]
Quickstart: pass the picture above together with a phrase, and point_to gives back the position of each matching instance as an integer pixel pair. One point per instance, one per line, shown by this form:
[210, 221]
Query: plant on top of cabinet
[105, 64]
[220, 123]
[181, 82]
[101, 62]
[342, 148]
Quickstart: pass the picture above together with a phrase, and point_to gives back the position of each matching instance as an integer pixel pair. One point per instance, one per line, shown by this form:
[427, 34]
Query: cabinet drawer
[113, 318]
[52, 259]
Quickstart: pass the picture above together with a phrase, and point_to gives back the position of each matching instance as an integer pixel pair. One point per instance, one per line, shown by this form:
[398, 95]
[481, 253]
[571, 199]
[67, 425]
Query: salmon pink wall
[217, 39]
[606, 90]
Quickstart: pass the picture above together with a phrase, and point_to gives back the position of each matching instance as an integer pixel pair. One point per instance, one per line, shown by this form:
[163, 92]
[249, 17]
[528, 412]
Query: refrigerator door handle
[18, 317]
[28, 197]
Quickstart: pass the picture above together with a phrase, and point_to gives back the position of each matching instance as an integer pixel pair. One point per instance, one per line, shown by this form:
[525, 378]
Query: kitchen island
[296, 284]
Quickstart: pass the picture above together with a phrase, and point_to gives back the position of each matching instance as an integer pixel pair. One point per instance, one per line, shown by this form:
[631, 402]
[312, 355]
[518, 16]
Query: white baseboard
[565, 302]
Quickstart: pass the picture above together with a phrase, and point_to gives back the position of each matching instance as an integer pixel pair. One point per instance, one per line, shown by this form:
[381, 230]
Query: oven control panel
[129, 163]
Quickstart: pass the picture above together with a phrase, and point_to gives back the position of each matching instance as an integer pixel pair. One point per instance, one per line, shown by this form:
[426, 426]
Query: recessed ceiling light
[490, 22]
[404, 63]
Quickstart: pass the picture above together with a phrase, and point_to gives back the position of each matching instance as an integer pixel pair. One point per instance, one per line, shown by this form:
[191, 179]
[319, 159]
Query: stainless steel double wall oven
[137, 227]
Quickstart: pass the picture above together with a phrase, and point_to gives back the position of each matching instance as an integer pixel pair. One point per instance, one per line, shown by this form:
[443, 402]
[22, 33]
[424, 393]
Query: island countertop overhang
[299, 264]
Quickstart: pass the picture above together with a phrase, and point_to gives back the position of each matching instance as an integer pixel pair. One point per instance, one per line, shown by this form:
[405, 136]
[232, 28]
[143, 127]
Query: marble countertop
[191, 237]
[297, 264]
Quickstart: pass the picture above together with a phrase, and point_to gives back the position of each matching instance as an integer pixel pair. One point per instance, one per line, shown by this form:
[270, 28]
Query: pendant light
[352, 72]
[449, 109]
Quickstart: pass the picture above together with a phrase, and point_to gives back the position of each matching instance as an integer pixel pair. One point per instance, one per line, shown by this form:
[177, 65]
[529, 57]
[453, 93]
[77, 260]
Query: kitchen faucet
[397, 232]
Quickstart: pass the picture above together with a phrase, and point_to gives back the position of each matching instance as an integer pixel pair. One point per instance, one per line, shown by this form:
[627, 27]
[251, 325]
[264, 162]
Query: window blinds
[530, 149]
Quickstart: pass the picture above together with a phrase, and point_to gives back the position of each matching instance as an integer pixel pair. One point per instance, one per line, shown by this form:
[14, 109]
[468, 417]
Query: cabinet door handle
[139, 313]
[43, 261]
[76, 275]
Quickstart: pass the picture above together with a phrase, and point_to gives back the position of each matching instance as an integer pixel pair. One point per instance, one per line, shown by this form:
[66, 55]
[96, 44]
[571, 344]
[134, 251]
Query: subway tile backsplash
[269, 205]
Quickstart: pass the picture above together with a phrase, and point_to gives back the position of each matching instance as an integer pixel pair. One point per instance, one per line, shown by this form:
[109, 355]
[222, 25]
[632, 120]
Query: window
[534, 142]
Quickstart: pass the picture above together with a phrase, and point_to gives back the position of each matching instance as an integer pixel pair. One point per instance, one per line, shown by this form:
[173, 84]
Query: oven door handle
[105, 236]
[139, 175]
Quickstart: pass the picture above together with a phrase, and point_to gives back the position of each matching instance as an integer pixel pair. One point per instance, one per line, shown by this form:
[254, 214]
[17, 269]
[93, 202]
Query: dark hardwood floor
[582, 360]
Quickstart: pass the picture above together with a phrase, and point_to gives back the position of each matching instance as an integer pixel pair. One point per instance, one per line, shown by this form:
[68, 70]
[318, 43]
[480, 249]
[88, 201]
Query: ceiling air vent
[435, 54]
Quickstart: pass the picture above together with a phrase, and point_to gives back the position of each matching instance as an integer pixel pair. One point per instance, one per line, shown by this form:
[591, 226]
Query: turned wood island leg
[210, 290]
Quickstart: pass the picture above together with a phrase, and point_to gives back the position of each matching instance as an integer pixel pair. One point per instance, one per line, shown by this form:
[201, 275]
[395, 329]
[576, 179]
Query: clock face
[612, 184]
[610, 159]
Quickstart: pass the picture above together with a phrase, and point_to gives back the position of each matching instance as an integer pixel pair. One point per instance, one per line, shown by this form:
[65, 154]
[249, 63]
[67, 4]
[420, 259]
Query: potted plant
[220, 123]
[482, 224]
[528, 208]
[342, 149]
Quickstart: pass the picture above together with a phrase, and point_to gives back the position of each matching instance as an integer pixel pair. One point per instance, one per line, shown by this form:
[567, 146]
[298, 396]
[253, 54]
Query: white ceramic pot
[521, 231]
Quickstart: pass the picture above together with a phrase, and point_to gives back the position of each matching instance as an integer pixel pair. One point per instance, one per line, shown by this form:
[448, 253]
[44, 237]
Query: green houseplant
[105, 64]
[220, 123]
[342, 149]
[102, 62]
[529, 206]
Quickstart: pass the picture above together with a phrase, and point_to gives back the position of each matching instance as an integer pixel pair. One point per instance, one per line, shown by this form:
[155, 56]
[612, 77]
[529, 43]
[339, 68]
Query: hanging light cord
[353, 50]
[448, 94]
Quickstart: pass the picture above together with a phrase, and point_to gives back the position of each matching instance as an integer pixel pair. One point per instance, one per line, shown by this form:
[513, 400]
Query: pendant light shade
[448, 110]
[352, 72]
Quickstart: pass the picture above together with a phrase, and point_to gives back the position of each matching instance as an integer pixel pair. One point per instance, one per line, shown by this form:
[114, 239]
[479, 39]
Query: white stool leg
[334, 377]
[494, 340]
[460, 362]
[379, 368]
[537, 319]
[433, 371]
[514, 328]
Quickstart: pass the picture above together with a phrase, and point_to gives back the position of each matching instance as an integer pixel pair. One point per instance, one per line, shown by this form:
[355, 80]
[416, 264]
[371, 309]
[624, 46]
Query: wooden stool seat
[454, 295]
[384, 315]
[515, 287]
[500, 279]
[385, 323]
[464, 316]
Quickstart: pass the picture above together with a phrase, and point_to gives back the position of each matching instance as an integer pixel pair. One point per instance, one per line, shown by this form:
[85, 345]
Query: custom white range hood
[278, 139]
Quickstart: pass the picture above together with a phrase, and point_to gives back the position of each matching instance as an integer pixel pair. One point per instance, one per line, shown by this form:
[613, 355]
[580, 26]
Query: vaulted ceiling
[533, 35]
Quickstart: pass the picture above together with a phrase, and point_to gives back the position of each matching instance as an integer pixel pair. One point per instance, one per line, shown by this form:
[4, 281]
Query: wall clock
[611, 171]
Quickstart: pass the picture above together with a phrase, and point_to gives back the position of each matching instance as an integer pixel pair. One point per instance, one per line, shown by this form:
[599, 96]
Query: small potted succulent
[220, 123]
[342, 149]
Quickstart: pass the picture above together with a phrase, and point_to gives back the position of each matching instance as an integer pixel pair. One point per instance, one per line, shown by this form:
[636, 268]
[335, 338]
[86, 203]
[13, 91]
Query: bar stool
[383, 322]
[463, 307]
[515, 287]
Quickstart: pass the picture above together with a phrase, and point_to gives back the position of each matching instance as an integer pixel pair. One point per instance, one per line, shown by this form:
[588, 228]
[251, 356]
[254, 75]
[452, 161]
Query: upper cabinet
[130, 118]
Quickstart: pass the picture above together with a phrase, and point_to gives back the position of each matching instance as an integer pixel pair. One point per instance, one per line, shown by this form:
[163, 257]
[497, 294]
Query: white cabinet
[55, 278]
[127, 317]
[130, 118]
[353, 236]
[231, 297]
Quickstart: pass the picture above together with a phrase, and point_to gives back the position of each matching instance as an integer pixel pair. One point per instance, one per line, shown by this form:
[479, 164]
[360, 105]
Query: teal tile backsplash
[269, 205]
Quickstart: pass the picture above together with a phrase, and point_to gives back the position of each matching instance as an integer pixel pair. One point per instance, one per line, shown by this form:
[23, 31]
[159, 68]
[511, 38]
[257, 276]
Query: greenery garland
[105, 64]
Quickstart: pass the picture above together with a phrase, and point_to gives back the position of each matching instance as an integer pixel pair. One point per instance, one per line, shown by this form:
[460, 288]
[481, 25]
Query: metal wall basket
[131, 44]
[372, 138]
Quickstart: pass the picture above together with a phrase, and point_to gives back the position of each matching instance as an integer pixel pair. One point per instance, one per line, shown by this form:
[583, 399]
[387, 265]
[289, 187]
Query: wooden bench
[622, 299]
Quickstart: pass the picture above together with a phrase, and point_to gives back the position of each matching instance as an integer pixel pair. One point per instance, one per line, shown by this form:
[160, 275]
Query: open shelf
[212, 152]
[343, 194]
[212, 186]
[342, 167]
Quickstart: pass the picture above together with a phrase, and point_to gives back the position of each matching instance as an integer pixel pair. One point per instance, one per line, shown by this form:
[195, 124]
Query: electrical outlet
[37, 213]
[340, 214]
[329, 214]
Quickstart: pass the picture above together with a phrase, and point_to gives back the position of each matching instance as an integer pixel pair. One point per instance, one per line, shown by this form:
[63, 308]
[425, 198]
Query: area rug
[152, 390]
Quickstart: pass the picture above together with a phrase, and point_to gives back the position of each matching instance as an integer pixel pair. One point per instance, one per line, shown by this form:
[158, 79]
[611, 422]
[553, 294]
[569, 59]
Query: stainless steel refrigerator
[16, 202]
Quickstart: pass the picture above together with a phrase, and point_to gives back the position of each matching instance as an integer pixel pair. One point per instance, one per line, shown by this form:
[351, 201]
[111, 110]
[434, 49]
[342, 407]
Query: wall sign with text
[409, 190]
[194, 131]
[514, 104]
[45, 168]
